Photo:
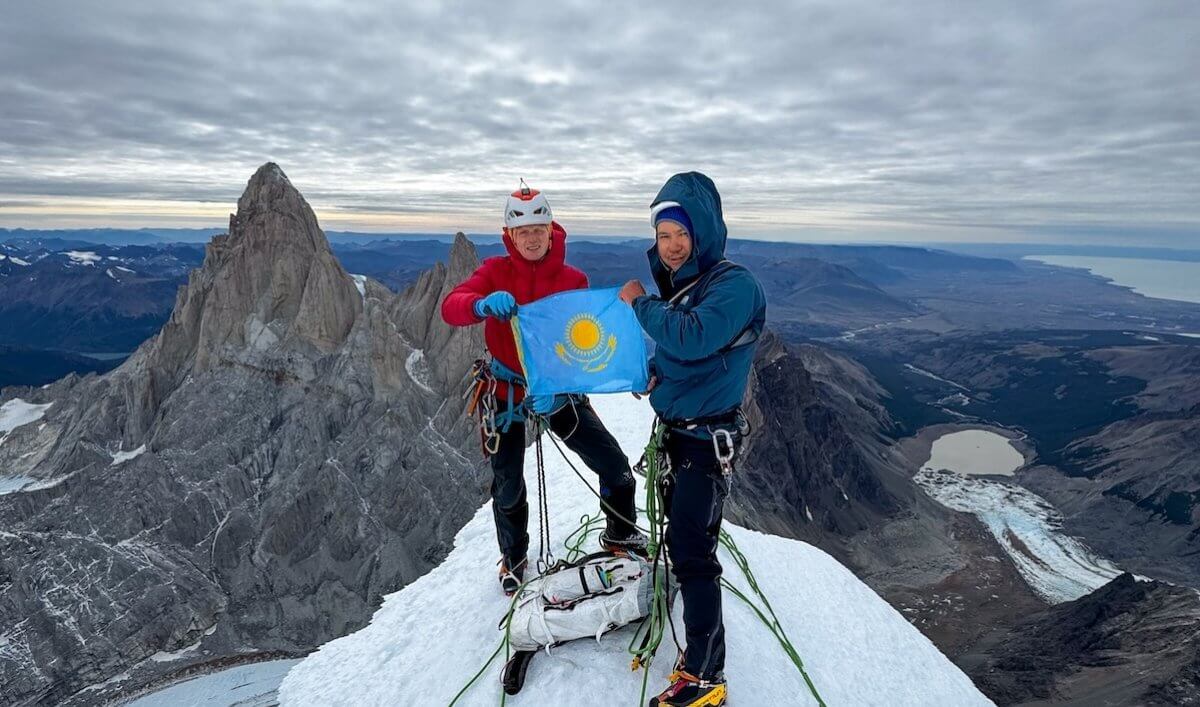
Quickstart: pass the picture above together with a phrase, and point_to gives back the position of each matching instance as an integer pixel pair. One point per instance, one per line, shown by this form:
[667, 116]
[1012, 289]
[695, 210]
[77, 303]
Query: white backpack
[586, 599]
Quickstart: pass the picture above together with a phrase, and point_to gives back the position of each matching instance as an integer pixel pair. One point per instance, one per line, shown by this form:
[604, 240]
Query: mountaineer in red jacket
[535, 268]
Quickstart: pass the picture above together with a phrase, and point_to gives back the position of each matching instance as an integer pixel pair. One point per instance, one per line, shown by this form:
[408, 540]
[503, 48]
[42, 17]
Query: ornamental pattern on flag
[581, 341]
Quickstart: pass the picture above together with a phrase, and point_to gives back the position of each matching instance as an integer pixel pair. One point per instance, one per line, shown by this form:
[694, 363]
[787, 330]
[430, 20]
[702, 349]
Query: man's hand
[500, 305]
[649, 387]
[631, 291]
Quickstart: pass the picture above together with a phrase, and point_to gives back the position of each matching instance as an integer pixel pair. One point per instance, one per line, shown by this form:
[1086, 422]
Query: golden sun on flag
[585, 344]
[584, 333]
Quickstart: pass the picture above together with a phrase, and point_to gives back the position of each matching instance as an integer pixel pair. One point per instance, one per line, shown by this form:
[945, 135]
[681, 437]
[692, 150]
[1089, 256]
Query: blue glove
[500, 305]
[545, 404]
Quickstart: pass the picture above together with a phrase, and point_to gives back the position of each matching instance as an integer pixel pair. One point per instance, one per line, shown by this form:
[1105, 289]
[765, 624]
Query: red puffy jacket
[526, 281]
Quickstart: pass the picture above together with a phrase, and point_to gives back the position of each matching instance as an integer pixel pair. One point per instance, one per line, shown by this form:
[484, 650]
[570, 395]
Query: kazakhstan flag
[581, 341]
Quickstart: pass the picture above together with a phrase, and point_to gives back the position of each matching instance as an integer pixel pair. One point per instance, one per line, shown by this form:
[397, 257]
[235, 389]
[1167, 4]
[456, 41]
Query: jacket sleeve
[458, 309]
[726, 309]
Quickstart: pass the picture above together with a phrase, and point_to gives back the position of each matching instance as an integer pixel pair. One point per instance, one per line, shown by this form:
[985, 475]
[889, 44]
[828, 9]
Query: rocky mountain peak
[811, 413]
[270, 286]
[1132, 641]
[282, 453]
[463, 257]
[270, 191]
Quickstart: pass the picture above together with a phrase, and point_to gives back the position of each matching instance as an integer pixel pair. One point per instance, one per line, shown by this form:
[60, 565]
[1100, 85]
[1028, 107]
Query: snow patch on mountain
[428, 639]
[360, 283]
[17, 412]
[122, 457]
[13, 484]
[418, 369]
[82, 257]
[17, 261]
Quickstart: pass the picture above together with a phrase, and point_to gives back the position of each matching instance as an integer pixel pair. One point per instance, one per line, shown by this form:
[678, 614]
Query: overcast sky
[832, 121]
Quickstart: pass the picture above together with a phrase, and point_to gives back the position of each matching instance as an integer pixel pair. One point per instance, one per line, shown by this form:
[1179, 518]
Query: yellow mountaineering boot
[687, 690]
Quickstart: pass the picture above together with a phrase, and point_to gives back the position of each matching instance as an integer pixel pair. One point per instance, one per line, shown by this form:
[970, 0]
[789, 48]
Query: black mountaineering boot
[619, 537]
[619, 534]
[511, 578]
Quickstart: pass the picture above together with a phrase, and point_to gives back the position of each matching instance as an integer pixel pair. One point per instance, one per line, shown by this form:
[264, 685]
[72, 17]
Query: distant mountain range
[162, 236]
[73, 297]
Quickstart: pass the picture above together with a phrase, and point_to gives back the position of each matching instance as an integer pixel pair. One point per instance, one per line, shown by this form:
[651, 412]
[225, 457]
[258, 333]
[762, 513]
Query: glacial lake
[1164, 279]
[975, 453]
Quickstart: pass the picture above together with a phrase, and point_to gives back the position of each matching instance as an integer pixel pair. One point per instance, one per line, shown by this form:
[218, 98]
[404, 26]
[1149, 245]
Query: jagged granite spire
[258, 474]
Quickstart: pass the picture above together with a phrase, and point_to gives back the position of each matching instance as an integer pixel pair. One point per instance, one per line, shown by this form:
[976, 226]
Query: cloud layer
[856, 120]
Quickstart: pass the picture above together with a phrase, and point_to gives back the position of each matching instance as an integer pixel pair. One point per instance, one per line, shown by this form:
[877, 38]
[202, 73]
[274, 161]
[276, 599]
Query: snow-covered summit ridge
[428, 639]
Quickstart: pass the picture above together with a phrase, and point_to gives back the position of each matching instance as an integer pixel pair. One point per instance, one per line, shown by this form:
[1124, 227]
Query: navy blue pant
[583, 432]
[694, 503]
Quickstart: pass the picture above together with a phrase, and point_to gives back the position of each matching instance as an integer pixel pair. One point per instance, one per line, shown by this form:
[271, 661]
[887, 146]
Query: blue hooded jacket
[699, 375]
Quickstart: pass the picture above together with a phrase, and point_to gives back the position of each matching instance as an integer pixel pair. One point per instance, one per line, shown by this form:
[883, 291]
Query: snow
[82, 257]
[3, 257]
[1190, 336]
[122, 457]
[17, 261]
[429, 638]
[110, 274]
[17, 412]
[1056, 566]
[124, 269]
[12, 484]
[251, 685]
[168, 656]
[417, 369]
[975, 452]
[360, 283]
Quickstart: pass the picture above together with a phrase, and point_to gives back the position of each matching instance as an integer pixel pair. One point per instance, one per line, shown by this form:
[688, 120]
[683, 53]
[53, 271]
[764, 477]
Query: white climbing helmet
[525, 207]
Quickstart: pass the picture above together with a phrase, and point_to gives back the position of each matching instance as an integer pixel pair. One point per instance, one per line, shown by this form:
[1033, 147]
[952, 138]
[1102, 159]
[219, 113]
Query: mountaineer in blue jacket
[705, 323]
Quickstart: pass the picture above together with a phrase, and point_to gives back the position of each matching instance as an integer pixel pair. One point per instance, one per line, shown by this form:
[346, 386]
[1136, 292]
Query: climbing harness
[726, 431]
[487, 374]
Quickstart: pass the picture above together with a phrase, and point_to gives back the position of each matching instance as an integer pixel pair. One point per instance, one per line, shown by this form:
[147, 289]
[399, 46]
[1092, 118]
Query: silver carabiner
[725, 459]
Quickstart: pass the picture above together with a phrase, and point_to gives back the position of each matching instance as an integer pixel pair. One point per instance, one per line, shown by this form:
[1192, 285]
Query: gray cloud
[1057, 119]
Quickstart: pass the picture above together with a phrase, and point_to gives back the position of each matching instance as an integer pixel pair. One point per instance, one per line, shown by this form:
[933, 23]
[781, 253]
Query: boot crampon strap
[687, 690]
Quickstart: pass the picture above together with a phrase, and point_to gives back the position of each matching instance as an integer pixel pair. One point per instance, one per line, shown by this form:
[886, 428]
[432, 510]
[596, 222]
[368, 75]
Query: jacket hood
[553, 259]
[698, 196]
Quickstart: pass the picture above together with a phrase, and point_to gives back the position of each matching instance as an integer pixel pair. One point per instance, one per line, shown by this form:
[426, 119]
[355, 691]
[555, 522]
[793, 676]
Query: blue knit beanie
[676, 214]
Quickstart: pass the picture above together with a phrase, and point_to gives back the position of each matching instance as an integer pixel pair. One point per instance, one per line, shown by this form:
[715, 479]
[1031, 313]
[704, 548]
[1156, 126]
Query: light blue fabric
[581, 341]
[510, 413]
[545, 404]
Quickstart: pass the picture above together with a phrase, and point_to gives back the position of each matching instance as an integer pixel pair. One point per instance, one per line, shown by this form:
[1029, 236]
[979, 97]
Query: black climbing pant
[694, 500]
[581, 429]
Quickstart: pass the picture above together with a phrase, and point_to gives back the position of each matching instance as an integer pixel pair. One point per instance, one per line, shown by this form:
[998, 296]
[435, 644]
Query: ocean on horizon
[1163, 279]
